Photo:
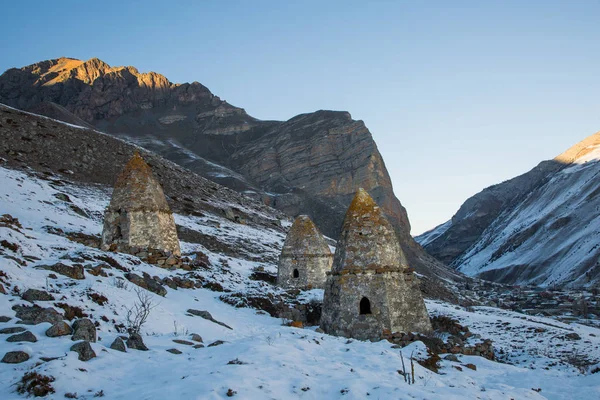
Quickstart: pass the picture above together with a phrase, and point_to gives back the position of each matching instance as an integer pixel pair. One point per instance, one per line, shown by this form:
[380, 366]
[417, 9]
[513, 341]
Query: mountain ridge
[536, 228]
[310, 164]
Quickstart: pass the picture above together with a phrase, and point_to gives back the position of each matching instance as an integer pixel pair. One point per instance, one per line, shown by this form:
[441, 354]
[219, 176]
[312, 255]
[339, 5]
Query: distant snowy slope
[548, 235]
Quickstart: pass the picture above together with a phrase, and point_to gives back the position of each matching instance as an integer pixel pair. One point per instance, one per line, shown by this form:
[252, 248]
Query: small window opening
[365, 306]
[296, 274]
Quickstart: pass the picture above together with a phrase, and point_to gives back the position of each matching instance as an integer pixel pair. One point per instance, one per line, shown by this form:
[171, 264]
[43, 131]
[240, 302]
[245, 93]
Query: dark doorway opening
[296, 274]
[365, 306]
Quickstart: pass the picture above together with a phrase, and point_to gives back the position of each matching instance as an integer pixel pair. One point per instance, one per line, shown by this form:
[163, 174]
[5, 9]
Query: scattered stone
[4, 318]
[15, 357]
[197, 338]
[174, 351]
[470, 366]
[84, 349]
[136, 342]
[74, 272]
[33, 315]
[22, 337]
[198, 346]
[32, 295]
[59, 329]
[187, 343]
[14, 329]
[118, 344]
[84, 329]
[206, 315]
[573, 336]
[146, 283]
[216, 343]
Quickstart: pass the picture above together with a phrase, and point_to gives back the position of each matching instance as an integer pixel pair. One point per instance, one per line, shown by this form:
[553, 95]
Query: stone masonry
[305, 258]
[138, 215]
[371, 291]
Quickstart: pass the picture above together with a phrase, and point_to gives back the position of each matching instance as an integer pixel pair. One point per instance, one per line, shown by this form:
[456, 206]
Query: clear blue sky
[459, 95]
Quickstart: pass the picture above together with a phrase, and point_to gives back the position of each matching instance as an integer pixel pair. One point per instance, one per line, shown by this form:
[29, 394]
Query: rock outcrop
[311, 164]
[138, 215]
[370, 291]
[305, 258]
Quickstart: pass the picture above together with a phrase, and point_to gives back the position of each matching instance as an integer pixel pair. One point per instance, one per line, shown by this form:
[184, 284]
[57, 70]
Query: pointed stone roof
[304, 238]
[368, 240]
[137, 189]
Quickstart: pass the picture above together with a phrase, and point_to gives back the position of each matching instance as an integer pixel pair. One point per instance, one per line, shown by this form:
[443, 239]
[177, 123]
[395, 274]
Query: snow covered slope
[548, 235]
[259, 357]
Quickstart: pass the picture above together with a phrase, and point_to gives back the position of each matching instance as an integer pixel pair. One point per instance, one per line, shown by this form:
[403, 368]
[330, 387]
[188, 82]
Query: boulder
[197, 338]
[147, 283]
[208, 316]
[59, 329]
[119, 345]
[32, 295]
[136, 342]
[15, 357]
[33, 315]
[75, 271]
[22, 337]
[84, 349]
[84, 329]
[14, 329]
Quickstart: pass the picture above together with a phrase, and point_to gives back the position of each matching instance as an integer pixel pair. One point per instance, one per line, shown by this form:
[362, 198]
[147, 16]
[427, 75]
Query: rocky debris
[470, 366]
[118, 344]
[4, 318]
[15, 329]
[138, 213]
[32, 295]
[217, 343]
[22, 337]
[59, 329]
[84, 349]
[84, 329]
[136, 342]
[8, 221]
[572, 336]
[197, 338]
[147, 282]
[2, 290]
[15, 357]
[305, 258]
[208, 316]
[10, 246]
[33, 315]
[371, 290]
[174, 351]
[74, 271]
[175, 282]
[452, 357]
[185, 342]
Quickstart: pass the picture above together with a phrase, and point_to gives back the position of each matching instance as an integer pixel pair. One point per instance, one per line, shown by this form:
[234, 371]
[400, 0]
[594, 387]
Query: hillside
[242, 358]
[539, 228]
[311, 164]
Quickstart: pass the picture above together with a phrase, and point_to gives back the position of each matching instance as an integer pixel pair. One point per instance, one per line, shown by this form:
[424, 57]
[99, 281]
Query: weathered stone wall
[138, 214]
[312, 271]
[305, 257]
[369, 267]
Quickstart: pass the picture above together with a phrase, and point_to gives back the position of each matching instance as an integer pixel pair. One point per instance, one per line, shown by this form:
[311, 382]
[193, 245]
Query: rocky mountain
[311, 164]
[542, 227]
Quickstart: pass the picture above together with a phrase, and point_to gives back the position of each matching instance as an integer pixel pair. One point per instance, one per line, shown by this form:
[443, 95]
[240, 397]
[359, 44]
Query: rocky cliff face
[311, 164]
[541, 227]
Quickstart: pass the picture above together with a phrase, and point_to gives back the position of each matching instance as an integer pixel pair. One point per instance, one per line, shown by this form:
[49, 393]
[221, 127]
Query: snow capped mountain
[540, 228]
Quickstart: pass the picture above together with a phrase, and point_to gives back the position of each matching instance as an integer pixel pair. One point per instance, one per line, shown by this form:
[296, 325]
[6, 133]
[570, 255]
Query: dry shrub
[71, 312]
[36, 384]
